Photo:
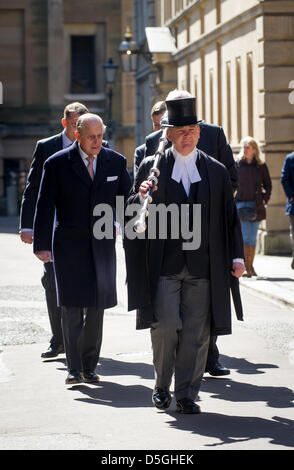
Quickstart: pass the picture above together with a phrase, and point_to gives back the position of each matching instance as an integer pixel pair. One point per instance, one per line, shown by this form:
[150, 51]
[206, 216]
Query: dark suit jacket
[43, 150]
[138, 157]
[212, 141]
[85, 266]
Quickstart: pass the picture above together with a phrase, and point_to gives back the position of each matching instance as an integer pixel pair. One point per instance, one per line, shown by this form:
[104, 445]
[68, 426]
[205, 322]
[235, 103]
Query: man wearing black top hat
[182, 293]
[214, 143]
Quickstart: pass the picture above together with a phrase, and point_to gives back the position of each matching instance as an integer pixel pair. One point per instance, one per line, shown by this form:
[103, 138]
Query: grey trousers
[82, 333]
[180, 336]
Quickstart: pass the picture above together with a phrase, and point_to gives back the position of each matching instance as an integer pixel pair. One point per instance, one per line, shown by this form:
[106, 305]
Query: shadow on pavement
[110, 367]
[116, 395]
[242, 366]
[233, 429]
[229, 390]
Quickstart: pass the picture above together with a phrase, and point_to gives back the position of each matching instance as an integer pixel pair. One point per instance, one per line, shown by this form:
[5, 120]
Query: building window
[167, 10]
[228, 80]
[211, 95]
[83, 78]
[196, 93]
[239, 98]
[250, 93]
[218, 11]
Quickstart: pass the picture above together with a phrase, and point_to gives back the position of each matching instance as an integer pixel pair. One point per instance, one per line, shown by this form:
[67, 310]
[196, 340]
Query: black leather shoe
[217, 370]
[161, 398]
[91, 377]
[187, 406]
[74, 378]
[53, 351]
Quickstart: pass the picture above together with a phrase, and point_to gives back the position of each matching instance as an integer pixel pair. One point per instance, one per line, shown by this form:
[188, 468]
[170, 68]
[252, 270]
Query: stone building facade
[237, 57]
[51, 53]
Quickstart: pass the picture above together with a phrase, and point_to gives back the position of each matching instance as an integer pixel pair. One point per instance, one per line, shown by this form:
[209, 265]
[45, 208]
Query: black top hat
[182, 112]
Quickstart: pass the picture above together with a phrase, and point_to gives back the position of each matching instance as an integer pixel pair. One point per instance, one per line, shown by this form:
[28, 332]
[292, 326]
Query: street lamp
[128, 50]
[110, 69]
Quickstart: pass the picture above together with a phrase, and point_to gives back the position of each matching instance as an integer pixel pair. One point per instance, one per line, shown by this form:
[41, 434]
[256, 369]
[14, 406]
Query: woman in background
[253, 193]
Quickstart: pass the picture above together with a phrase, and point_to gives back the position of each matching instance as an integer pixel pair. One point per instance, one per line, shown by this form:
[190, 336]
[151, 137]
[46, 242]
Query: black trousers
[82, 333]
[54, 312]
[213, 352]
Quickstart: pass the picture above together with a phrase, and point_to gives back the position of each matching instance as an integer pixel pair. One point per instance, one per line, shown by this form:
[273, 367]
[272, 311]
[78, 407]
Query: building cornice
[223, 29]
[219, 31]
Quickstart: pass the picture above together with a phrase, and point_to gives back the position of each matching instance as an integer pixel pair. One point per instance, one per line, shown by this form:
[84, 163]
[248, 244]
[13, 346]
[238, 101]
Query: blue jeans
[249, 229]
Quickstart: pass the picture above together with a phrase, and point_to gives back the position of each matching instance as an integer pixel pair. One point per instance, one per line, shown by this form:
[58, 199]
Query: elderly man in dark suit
[183, 292]
[44, 149]
[214, 143]
[75, 181]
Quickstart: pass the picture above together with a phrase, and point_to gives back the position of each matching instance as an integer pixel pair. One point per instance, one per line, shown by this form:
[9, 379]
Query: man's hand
[44, 256]
[145, 185]
[237, 269]
[27, 237]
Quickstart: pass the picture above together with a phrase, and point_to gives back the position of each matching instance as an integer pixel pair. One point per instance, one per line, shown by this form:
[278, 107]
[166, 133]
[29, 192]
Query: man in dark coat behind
[183, 294]
[75, 181]
[214, 143]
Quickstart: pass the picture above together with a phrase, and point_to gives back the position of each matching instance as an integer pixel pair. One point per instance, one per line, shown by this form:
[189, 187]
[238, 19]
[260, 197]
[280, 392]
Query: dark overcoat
[85, 267]
[144, 257]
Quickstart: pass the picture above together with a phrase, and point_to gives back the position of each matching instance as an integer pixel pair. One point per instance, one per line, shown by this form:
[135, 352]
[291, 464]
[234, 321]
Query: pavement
[250, 409]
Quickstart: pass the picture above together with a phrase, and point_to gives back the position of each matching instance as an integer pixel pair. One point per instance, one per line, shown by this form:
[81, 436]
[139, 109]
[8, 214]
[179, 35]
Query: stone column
[276, 115]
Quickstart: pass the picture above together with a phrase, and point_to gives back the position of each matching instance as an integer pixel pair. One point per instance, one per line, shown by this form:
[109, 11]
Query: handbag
[247, 213]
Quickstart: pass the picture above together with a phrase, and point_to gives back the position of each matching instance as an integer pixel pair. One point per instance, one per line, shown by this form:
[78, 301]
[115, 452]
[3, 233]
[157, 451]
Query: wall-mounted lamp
[110, 69]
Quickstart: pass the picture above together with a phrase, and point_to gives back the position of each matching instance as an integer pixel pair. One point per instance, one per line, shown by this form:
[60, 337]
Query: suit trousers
[54, 312]
[180, 336]
[213, 353]
[82, 332]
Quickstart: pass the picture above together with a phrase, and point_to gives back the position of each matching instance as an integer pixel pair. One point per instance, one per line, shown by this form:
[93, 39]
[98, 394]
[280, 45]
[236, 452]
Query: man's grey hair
[89, 117]
[178, 95]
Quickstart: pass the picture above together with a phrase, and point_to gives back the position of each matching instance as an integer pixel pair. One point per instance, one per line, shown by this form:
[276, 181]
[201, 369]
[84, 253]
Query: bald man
[75, 181]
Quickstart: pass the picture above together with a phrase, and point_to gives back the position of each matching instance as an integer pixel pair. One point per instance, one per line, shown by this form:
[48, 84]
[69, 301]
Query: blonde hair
[250, 141]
